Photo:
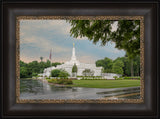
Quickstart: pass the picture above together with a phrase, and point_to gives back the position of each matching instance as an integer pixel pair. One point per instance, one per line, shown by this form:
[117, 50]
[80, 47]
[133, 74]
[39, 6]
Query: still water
[36, 89]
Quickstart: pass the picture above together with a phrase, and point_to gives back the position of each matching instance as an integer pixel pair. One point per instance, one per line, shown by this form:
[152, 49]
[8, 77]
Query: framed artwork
[91, 72]
[81, 59]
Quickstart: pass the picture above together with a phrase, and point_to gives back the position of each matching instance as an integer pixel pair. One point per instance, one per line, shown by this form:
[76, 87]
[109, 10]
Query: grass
[105, 83]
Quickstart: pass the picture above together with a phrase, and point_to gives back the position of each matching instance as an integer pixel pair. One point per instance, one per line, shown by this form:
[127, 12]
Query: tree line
[121, 65]
[27, 70]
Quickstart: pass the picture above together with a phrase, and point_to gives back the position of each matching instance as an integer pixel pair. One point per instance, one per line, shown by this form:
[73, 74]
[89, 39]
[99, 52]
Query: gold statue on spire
[73, 44]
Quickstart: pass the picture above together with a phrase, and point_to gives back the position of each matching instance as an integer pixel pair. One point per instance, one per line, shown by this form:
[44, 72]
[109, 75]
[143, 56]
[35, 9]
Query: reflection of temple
[67, 66]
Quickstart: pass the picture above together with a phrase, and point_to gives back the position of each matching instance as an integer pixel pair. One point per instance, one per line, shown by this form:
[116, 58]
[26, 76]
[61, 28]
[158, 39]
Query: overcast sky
[38, 37]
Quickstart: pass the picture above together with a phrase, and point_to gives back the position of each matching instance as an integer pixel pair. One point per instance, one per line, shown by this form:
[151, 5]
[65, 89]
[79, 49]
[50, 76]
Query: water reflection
[36, 89]
[31, 86]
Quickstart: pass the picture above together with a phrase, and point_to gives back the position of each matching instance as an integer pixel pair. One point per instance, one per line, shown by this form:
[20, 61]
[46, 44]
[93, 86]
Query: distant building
[67, 66]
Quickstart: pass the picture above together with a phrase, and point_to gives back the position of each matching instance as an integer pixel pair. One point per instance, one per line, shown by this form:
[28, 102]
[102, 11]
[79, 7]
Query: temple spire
[73, 53]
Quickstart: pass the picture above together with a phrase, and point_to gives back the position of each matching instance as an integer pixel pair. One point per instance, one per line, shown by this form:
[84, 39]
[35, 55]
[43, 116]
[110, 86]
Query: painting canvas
[80, 59]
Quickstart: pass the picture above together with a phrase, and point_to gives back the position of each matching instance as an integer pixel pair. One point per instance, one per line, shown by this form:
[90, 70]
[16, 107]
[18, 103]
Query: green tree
[136, 65]
[41, 66]
[127, 66]
[23, 64]
[23, 72]
[41, 58]
[63, 74]
[126, 37]
[106, 63]
[55, 73]
[47, 64]
[88, 72]
[56, 63]
[118, 67]
[34, 67]
[34, 74]
[74, 68]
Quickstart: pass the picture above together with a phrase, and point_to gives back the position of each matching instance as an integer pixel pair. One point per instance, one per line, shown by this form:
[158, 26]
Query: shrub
[47, 77]
[52, 80]
[132, 78]
[64, 81]
[115, 77]
[68, 81]
[63, 74]
[35, 74]
[59, 73]
[55, 73]
[93, 79]
[60, 81]
[119, 79]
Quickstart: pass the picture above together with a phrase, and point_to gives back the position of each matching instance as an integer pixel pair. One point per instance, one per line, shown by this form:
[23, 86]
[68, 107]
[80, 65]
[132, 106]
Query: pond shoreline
[38, 89]
[96, 83]
[55, 84]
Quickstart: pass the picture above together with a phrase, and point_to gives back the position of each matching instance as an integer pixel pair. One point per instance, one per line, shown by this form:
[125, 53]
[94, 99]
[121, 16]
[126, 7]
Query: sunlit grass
[106, 83]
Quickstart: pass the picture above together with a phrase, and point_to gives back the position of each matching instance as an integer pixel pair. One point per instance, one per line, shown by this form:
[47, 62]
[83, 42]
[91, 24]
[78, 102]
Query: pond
[37, 89]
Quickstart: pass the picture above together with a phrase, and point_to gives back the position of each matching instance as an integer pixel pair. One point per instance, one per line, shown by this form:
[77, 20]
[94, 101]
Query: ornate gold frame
[141, 100]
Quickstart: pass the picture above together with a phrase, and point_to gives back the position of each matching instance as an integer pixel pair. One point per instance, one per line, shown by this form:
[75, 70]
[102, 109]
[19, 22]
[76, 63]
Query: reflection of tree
[30, 86]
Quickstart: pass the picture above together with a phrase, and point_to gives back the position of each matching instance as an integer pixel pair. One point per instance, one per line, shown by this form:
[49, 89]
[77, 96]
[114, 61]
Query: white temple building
[67, 66]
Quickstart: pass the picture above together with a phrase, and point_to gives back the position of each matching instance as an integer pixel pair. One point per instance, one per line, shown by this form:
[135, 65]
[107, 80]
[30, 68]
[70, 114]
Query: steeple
[73, 58]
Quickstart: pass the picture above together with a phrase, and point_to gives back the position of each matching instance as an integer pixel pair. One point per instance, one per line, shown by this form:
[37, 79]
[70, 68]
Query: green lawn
[106, 83]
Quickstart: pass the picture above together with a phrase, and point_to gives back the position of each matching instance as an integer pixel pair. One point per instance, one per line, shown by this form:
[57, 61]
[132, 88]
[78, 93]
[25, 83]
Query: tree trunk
[137, 70]
[132, 71]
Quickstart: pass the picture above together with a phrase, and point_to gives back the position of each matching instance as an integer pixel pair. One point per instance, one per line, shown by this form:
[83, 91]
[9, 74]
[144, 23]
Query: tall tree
[23, 72]
[136, 64]
[23, 64]
[126, 37]
[74, 68]
[34, 67]
[47, 64]
[118, 67]
[106, 63]
[41, 58]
